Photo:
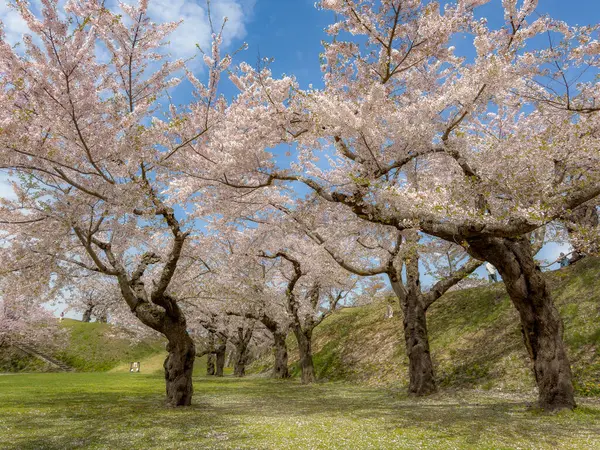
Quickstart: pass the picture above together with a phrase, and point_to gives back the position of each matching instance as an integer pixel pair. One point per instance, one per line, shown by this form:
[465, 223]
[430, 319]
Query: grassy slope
[114, 411]
[96, 347]
[13, 361]
[475, 338]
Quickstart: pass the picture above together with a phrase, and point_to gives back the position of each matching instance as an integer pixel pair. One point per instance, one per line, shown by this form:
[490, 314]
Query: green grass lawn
[114, 411]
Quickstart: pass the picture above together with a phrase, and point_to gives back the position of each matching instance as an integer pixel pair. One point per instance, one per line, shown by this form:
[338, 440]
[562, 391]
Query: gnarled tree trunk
[304, 338]
[280, 368]
[420, 367]
[416, 338]
[541, 324]
[220, 348]
[210, 356]
[239, 365]
[210, 364]
[179, 365]
[242, 342]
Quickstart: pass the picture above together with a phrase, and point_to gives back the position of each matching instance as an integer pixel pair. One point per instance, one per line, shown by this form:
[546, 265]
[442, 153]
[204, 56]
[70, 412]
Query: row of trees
[411, 153]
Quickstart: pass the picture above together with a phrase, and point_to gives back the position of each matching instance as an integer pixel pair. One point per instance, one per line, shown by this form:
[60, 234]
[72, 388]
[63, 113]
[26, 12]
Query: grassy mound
[13, 360]
[475, 338]
[98, 347]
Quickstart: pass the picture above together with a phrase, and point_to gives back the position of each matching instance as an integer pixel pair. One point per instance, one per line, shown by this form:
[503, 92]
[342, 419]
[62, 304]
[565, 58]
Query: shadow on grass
[104, 411]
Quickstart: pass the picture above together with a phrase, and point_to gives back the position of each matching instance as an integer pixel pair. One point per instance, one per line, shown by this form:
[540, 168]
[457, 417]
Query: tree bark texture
[242, 343]
[210, 357]
[239, 364]
[179, 365]
[280, 368]
[541, 324]
[220, 348]
[210, 364]
[416, 337]
[304, 338]
[420, 366]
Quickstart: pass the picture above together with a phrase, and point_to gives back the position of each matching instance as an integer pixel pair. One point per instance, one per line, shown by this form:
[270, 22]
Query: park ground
[122, 410]
[486, 399]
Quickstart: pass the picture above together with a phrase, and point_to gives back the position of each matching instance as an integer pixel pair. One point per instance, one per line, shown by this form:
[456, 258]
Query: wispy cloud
[14, 25]
[195, 29]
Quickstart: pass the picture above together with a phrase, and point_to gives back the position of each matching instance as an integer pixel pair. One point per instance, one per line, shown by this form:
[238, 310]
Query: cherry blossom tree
[406, 134]
[368, 250]
[488, 138]
[96, 157]
[26, 318]
[235, 296]
[216, 346]
[94, 296]
[241, 337]
[271, 313]
[258, 299]
[274, 274]
[24, 324]
[304, 276]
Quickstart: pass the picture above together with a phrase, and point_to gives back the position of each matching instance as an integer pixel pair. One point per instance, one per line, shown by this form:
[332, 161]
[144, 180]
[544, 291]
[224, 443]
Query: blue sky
[291, 31]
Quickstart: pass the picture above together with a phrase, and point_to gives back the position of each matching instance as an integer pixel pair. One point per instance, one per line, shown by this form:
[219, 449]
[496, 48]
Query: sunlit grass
[475, 337]
[113, 411]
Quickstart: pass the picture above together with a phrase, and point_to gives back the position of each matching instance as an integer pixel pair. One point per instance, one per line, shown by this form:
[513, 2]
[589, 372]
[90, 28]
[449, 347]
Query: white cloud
[14, 25]
[195, 28]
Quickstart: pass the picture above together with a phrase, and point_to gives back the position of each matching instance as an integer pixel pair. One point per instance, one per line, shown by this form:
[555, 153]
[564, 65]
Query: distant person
[492, 274]
[390, 312]
[62, 316]
[563, 260]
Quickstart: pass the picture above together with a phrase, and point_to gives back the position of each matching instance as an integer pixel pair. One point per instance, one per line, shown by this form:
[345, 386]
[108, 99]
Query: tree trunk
[220, 356]
[239, 365]
[416, 338]
[280, 368]
[210, 364]
[210, 357]
[242, 348]
[541, 324]
[304, 339]
[179, 365]
[87, 314]
[420, 367]
[240, 359]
